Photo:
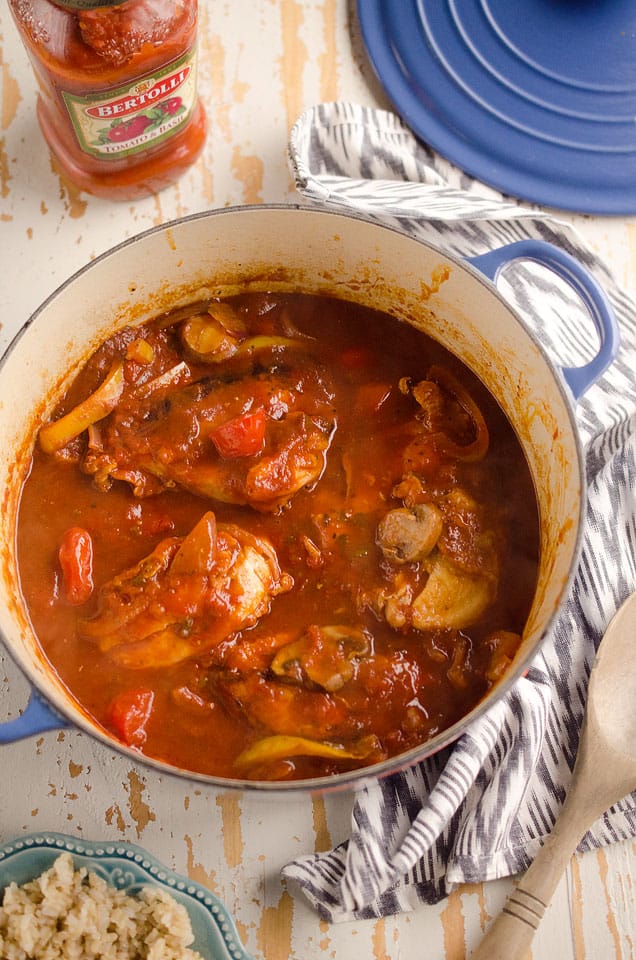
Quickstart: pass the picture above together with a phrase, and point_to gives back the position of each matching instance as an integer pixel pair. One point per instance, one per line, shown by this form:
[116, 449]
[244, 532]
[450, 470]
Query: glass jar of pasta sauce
[117, 103]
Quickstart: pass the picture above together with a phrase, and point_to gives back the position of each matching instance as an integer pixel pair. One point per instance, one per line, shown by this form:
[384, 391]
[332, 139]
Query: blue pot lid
[534, 97]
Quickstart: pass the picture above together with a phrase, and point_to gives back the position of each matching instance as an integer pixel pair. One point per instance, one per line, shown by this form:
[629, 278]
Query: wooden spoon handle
[511, 934]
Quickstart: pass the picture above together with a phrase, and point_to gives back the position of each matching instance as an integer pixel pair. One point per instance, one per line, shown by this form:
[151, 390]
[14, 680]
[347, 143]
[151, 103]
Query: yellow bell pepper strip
[282, 746]
[265, 342]
[54, 436]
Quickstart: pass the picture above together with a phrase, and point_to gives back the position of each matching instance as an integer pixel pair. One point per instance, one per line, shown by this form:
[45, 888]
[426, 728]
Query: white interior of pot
[314, 251]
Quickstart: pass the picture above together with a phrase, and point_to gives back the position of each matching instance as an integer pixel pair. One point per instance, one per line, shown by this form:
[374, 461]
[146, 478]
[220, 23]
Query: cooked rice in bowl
[69, 914]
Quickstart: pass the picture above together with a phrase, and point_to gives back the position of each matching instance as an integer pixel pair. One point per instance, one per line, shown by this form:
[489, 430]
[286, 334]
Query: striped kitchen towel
[480, 809]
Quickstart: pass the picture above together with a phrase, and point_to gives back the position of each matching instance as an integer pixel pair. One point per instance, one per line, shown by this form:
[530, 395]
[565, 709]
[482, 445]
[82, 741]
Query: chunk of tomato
[76, 560]
[128, 715]
[242, 436]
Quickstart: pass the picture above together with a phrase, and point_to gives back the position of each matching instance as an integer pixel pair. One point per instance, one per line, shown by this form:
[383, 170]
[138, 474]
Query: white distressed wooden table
[262, 63]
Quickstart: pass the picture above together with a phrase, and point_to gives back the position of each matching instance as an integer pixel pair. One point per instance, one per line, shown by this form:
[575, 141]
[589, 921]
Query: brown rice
[68, 914]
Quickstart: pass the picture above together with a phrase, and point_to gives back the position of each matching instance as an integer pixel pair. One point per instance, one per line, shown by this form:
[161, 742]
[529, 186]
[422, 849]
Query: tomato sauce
[313, 538]
[117, 90]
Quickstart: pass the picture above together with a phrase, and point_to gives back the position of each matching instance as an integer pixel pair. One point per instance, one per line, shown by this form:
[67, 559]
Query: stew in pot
[277, 537]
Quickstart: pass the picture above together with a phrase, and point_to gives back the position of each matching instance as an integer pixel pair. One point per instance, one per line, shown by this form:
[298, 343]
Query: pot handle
[38, 717]
[579, 379]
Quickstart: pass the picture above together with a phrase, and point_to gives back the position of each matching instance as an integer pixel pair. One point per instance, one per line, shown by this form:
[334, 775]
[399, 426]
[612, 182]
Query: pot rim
[358, 778]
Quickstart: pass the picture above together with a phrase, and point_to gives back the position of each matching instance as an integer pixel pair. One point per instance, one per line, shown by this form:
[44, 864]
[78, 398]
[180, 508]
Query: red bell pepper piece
[242, 436]
[128, 715]
[76, 559]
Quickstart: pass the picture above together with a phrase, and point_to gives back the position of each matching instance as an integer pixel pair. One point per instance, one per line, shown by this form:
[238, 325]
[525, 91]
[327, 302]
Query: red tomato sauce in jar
[277, 537]
[117, 90]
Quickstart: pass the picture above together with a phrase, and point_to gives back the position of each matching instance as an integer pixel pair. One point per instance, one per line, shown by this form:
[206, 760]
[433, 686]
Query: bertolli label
[126, 120]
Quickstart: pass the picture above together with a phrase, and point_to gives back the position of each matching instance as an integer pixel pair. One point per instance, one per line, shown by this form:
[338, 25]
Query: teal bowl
[128, 868]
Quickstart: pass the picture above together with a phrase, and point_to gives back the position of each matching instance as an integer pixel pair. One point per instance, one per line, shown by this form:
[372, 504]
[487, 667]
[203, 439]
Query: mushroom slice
[451, 599]
[324, 655]
[207, 339]
[280, 747]
[408, 535]
[214, 335]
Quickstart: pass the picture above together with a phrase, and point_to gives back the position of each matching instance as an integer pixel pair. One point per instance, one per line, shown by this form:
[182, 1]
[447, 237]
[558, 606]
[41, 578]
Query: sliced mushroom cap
[207, 339]
[407, 535]
[324, 655]
[451, 599]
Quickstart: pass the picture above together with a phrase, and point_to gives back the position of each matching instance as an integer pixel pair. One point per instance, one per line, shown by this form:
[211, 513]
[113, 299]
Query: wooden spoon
[604, 773]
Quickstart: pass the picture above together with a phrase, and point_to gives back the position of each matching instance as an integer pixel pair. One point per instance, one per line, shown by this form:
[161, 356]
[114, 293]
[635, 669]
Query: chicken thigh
[186, 596]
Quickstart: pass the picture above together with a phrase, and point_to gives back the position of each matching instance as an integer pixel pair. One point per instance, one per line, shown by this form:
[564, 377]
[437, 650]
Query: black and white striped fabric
[481, 809]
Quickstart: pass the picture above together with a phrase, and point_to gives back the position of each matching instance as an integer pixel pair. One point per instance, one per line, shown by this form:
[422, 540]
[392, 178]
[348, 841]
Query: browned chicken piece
[444, 568]
[255, 440]
[187, 596]
[439, 550]
[289, 686]
[287, 709]
[317, 693]
[439, 596]
[451, 598]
